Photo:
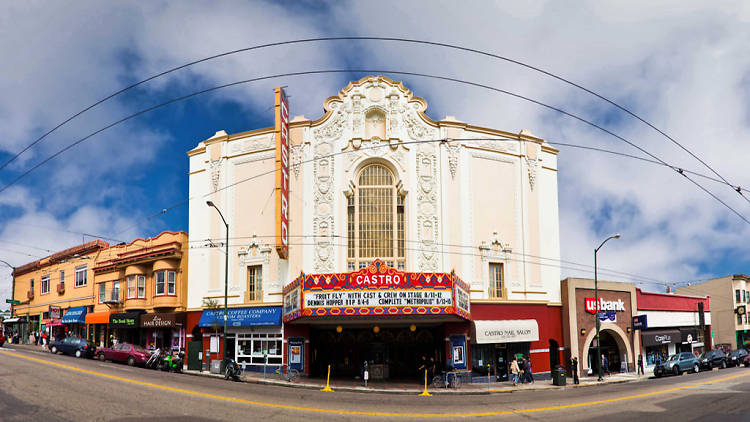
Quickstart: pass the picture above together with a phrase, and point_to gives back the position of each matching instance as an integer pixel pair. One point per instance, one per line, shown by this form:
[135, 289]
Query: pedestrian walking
[431, 366]
[605, 365]
[44, 340]
[527, 369]
[640, 365]
[574, 369]
[422, 368]
[514, 370]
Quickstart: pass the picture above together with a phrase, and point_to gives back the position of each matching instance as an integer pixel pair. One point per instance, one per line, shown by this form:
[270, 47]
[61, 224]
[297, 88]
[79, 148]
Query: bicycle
[447, 379]
[287, 373]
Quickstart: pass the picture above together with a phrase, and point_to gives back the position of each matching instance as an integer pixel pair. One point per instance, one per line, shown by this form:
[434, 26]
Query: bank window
[141, 286]
[102, 292]
[376, 220]
[496, 280]
[45, 285]
[81, 276]
[255, 283]
[252, 347]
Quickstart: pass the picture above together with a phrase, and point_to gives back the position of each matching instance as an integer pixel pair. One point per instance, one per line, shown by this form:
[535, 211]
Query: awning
[242, 317]
[124, 320]
[688, 335]
[659, 337]
[507, 331]
[75, 315]
[13, 320]
[98, 318]
[165, 320]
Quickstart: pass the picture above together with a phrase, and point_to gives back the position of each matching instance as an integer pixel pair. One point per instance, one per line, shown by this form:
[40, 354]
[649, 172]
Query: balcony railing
[114, 296]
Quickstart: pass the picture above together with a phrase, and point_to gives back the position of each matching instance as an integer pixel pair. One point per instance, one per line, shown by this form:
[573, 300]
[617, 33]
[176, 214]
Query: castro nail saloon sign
[376, 290]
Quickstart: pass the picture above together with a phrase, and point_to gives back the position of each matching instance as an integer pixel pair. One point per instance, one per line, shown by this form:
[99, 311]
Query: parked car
[737, 357]
[73, 346]
[2, 339]
[713, 359]
[678, 364]
[133, 354]
[746, 362]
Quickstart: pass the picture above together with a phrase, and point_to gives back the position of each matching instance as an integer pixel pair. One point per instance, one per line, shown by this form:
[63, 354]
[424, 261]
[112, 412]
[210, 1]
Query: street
[39, 386]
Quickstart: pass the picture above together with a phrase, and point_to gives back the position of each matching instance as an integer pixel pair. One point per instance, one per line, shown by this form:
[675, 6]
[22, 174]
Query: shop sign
[167, 320]
[608, 316]
[506, 331]
[75, 315]
[282, 175]
[124, 320]
[376, 290]
[656, 338]
[604, 305]
[55, 312]
[242, 317]
[640, 322]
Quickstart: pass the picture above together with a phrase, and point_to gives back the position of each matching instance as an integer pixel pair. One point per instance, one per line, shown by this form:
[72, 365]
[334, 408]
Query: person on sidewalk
[605, 365]
[514, 371]
[422, 369]
[640, 366]
[527, 369]
[574, 369]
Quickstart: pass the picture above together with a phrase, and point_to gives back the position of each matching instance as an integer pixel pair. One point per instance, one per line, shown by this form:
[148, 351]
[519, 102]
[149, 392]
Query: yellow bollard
[425, 393]
[328, 380]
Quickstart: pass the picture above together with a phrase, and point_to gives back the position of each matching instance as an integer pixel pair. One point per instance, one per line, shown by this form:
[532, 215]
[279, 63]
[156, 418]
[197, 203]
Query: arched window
[375, 220]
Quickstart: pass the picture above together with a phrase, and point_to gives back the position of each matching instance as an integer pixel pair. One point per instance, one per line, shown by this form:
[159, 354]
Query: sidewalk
[395, 387]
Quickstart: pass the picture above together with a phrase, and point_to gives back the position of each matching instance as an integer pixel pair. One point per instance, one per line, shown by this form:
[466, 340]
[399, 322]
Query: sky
[684, 66]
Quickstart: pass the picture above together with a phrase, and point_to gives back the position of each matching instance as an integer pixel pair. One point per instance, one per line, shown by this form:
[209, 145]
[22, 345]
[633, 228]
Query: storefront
[14, 327]
[615, 308]
[254, 336]
[387, 317]
[98, 328]
[124, 328]
[164, 330]
[659, 344]
[74, 321]
[495, 343]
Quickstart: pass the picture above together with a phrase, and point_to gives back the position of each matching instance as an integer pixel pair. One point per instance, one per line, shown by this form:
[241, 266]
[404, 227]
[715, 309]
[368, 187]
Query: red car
[123, 352]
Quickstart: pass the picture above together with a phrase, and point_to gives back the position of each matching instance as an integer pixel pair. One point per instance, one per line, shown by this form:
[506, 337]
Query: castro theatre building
[384, 235]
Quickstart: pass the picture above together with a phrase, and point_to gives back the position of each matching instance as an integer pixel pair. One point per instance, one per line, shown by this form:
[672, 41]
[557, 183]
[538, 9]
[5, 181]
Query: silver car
[678, 364]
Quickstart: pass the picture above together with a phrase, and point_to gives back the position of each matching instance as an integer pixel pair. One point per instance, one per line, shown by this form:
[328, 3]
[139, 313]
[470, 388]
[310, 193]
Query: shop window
[375, 220]
[255, 283]
[141, 286]
[165, 282]
[253, 348]
[171, 282]
[132, 280]
[81, 274]
[496, 280]
[44, 285]
[102, 292]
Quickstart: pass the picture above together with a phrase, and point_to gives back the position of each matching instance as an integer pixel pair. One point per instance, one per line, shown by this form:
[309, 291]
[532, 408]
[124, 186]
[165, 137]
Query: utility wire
[329, 71]
[392, 39]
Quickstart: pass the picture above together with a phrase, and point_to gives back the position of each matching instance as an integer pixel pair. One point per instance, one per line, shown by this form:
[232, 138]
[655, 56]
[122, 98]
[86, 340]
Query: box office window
[251, 348]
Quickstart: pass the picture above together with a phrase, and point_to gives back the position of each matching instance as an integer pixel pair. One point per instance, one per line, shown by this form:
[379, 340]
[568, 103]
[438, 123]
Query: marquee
[377, 290]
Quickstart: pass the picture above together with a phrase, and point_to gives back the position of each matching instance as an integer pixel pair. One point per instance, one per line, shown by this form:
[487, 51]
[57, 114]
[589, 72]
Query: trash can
[558, 376]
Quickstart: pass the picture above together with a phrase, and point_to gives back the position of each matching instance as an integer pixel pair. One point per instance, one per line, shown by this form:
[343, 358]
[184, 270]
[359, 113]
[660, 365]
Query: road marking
[383, 414]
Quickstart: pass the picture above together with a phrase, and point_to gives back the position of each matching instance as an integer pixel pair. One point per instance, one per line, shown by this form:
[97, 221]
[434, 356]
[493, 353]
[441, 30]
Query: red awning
[52, 322]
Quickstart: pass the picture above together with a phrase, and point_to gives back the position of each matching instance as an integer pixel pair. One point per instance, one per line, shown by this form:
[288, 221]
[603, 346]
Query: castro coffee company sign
[604, 305]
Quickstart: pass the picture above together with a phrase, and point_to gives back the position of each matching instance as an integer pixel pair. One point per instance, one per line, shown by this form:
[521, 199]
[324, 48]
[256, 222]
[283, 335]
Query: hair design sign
[376, 290]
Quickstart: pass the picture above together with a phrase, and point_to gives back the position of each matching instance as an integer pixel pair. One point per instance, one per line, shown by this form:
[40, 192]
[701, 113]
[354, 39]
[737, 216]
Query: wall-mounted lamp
[630, 330]
[412, 328]
[376, 329]
[583, 331]
[339, 328]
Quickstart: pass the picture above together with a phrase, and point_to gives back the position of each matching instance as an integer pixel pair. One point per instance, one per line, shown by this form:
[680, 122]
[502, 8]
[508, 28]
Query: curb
[409, 392]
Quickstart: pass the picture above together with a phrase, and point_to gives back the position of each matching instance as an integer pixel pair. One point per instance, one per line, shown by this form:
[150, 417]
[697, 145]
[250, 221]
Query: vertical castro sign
[282, 175]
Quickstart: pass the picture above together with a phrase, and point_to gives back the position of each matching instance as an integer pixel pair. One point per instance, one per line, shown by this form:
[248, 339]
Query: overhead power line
[438, 77]
[390, 39]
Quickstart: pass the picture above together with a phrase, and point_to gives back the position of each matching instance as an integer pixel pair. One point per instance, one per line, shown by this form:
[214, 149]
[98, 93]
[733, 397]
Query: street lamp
[596, 308]
[226, 278]
[13, 284]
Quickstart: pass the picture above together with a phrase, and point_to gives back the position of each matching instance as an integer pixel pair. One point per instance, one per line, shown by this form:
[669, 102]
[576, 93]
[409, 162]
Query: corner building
[400, 244]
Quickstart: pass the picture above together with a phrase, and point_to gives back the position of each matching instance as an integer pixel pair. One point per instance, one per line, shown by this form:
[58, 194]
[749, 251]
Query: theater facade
[380, 235]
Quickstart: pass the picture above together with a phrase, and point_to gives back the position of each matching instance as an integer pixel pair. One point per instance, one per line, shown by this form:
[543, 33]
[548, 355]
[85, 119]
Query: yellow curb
[368, 413]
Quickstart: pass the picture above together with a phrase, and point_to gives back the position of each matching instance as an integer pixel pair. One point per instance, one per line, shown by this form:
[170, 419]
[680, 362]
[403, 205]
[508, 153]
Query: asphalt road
[38, 386]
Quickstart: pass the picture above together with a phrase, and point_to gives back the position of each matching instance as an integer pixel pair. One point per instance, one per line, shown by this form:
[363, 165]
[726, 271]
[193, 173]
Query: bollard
[425, 393]
[328, 380]
[488, 377]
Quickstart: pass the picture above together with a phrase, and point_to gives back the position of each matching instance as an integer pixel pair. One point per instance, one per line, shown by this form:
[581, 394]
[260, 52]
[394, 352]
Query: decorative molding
[251, 145]
[491, 156]
[215, 168]
[334, 127]
[297, 155]
[323, 212]
[428, 229]
[453, 155]
[417, 129]
[258, 156]
[532, 166]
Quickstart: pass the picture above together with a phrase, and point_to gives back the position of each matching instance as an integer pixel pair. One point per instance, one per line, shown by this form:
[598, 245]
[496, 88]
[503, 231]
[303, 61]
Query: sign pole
[425, 393]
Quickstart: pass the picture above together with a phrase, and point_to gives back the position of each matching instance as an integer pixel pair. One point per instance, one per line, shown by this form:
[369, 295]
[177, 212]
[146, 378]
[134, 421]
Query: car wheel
[131, 361]
[723, 364]
[696, 369]
[676, 370]
[53, 350]
[101, 357]
[78, 353]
